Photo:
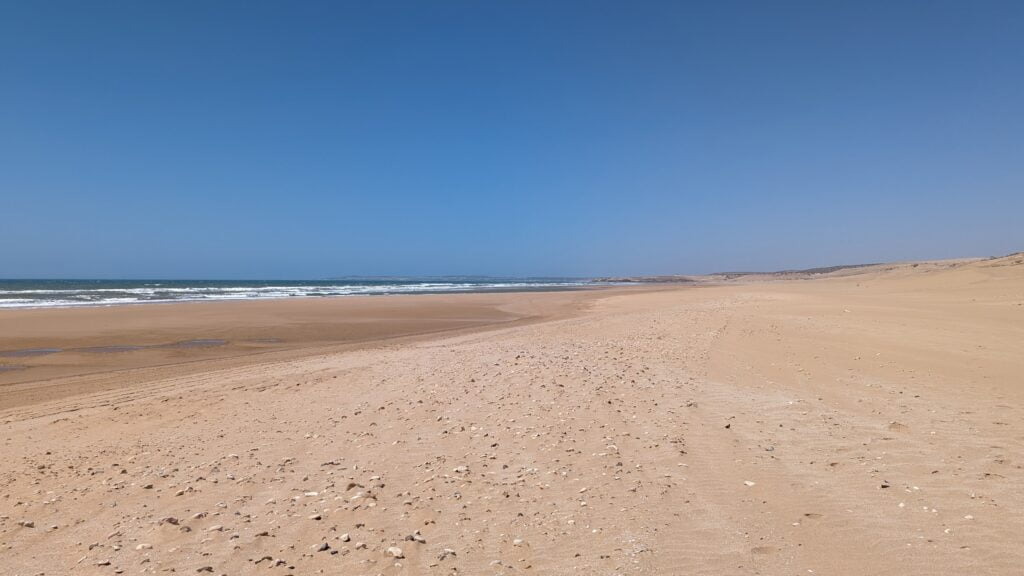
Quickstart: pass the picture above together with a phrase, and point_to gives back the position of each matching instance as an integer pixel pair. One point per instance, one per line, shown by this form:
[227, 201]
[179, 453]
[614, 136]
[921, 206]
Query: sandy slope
[868, 424]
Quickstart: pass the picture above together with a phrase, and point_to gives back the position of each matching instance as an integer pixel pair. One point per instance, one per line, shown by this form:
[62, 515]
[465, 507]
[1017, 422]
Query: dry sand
[867, 423]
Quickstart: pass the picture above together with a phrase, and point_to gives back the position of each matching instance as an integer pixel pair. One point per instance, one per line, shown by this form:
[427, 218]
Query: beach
[59, 351]
[856, 422]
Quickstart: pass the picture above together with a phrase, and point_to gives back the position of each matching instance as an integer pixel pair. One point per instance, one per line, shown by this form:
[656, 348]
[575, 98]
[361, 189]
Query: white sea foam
[111, 294]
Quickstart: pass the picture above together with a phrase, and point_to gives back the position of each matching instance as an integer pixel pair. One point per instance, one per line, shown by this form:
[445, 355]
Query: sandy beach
[859, 422]
[49, 353]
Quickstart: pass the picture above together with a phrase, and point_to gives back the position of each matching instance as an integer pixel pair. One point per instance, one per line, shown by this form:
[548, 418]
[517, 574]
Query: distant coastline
[799, 274]
[725, 276]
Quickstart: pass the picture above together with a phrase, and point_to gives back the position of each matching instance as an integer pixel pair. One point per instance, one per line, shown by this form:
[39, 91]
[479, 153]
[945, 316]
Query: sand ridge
[865, 424]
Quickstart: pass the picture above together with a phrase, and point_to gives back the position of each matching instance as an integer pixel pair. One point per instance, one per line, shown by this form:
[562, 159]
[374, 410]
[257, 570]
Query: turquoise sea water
[50, 293]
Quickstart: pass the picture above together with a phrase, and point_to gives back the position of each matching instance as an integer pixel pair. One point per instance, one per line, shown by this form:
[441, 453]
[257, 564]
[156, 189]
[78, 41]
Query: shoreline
[288, 298]
[222, 291]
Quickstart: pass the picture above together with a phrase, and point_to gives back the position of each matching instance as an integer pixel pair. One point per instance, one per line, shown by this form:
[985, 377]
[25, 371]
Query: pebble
[396, 552]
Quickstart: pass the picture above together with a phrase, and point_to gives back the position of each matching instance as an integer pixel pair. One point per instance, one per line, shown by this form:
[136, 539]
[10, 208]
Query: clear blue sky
[310, 139]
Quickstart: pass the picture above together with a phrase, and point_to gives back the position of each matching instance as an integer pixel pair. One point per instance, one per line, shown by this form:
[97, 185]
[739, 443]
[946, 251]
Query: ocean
[57, 293]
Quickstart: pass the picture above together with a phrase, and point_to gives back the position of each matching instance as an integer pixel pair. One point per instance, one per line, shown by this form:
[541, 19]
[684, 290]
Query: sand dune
[864, 423]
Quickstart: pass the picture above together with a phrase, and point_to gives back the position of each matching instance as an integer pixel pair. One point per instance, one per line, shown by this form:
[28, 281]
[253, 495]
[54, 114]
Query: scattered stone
[446, 553]
[395, 551]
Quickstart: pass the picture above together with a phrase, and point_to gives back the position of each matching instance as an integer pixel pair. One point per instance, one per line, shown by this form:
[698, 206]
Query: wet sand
[871, 423]
[46, 354]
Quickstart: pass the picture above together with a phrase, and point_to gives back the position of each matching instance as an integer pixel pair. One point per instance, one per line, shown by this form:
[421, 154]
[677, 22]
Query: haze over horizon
[320, 139]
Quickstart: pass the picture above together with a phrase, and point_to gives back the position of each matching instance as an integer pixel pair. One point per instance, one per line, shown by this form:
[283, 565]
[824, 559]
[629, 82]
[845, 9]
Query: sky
[250, 139]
